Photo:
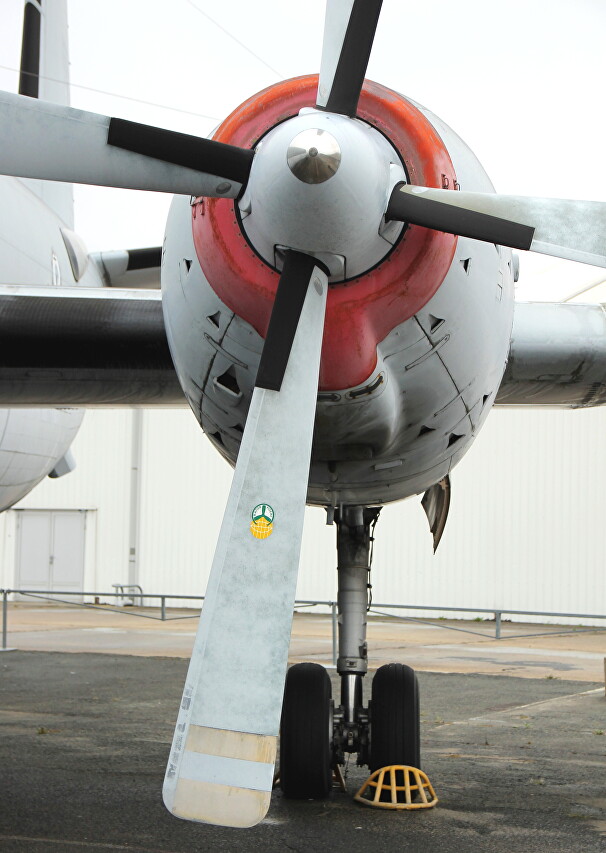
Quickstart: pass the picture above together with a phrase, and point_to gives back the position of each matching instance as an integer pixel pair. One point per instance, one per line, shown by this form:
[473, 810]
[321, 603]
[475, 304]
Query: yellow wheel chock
[394, 788]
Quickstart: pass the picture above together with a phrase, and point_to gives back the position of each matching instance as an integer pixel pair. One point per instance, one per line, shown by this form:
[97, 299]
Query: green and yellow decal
[262, 524]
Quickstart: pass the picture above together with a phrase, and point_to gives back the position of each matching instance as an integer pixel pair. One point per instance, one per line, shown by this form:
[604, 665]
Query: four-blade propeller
[83, 147]
[221, 762]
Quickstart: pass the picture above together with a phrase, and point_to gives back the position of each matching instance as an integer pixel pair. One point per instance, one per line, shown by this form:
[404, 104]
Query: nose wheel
[316, 736]
[306, 757]
[394, 718]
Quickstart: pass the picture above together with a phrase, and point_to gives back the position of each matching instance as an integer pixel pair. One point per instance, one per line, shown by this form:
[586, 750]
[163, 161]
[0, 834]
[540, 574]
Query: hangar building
[145, 503]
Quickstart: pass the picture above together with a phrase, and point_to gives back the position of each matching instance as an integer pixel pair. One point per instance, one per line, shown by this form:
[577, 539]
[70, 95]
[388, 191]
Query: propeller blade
[56, 143]
[349, 31]
[181, 149]
[29, 72]
[575, 230]
[221, 763]
[436, 209]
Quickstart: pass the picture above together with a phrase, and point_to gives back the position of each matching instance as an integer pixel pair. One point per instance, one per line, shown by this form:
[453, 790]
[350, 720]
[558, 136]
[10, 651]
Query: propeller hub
[319, 184]
[313, 156]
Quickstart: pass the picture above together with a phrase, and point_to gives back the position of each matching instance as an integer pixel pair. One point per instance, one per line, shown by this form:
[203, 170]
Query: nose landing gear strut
[316, 735]
[355, 526]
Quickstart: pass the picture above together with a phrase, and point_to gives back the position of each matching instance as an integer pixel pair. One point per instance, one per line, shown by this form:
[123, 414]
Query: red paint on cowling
[361, 312]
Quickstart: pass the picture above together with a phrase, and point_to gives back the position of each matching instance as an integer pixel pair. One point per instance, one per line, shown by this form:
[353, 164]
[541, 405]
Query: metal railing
[129, 591]
[375, 609]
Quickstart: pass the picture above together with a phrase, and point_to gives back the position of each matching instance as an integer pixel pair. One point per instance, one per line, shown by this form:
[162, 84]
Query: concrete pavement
[432, 646]
[518, 765]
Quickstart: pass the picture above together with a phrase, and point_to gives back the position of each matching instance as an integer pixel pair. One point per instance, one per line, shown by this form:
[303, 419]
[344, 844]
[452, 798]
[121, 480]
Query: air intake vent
[453, 438]
[228, 382]
[216, 437]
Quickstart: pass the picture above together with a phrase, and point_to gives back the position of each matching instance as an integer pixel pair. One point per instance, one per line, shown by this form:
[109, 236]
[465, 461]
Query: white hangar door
[50, 550]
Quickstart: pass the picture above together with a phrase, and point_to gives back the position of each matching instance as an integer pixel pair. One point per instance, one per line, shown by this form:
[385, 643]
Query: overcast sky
[521, 82]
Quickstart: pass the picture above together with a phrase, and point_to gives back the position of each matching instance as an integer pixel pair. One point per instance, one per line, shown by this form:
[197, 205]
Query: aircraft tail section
[44, 74]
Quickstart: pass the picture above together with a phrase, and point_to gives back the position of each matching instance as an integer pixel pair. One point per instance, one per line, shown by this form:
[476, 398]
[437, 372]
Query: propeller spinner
[319, 184]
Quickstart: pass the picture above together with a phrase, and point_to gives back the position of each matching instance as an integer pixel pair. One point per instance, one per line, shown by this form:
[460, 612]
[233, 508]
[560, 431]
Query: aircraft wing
[90, 346]
[557, 356]
[84, 346]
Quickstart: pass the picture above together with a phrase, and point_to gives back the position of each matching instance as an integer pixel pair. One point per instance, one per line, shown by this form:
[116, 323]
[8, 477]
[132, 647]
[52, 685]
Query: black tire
[395, 736]
[305, 736]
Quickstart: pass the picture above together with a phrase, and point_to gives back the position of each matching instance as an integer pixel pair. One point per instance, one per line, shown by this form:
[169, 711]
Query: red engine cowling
[360, 311]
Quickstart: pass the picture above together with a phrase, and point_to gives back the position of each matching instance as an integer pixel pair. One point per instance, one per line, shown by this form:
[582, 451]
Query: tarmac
[440, 645]
[513, 739]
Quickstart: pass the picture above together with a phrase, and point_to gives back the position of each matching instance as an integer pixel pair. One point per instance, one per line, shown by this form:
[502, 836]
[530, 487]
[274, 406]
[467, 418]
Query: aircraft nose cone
[313, 156]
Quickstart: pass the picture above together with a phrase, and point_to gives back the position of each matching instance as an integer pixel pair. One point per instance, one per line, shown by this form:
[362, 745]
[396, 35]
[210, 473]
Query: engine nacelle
[415, 339]
[32, 443]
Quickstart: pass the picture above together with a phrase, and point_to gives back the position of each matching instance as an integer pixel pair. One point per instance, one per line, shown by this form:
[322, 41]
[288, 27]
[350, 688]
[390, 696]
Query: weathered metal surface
[557, 356]
[252, 583]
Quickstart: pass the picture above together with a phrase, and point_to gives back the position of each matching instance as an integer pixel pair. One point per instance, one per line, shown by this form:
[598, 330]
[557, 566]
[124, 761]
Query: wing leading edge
[67, 346]
[557, 356]
[84, 346]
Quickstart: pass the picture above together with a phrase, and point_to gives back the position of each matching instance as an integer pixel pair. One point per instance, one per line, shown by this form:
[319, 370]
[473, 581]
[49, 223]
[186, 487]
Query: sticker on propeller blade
[262, 524]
